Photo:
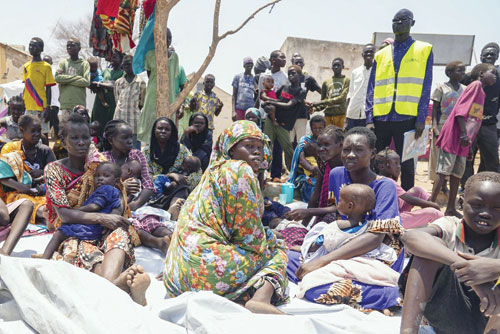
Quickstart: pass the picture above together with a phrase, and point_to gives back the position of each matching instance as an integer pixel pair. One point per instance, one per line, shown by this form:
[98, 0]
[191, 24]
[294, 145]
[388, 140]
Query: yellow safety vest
[406, 86]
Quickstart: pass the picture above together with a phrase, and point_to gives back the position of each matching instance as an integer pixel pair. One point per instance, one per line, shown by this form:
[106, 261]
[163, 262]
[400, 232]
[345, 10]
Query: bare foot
[121, 281]
[165, 242]
[138, 282]
[175, 208]
[453, 213]
[2, 252]
[37, 256]
[262, 307]
[387, 312]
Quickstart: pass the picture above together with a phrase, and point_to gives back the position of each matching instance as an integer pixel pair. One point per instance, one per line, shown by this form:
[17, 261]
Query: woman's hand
[112, 221]
[180, 179]
[36, 173]
[190, 129]
[132, 186]
[476, 270]
[308, 267]
[298, 214]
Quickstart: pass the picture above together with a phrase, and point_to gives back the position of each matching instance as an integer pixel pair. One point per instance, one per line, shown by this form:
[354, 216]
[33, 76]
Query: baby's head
[191, 164]
[94, 64]
[311, 150]
[95, 128]
[131, 169]
[482, 203]
[107, 173]
[355, 200]
[268, 81]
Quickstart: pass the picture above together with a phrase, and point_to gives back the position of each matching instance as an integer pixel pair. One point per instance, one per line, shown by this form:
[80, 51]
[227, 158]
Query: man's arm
[233, 100]
[369, 94]
[423, 103]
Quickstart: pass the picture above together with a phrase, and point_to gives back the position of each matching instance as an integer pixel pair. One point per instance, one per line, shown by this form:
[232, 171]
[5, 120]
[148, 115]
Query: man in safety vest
[399, 88]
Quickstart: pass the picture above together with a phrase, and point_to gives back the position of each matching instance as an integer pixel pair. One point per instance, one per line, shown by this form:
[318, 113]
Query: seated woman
[164, 156]
[198, 138]
[219, 243]
[14, 217]
[301, 166]
[69, 183]
[383, 227]
[119, 149]
[21, 167]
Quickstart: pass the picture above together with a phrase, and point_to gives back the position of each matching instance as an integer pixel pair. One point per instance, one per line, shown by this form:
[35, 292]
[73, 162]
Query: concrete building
[318, 56]
[12, 59]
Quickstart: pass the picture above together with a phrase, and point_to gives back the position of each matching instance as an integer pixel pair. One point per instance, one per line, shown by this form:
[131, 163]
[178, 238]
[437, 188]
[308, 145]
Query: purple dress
[354, 293]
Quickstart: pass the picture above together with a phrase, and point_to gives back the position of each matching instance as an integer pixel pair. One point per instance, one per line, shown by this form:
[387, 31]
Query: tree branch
[230, 32]
[211, 53]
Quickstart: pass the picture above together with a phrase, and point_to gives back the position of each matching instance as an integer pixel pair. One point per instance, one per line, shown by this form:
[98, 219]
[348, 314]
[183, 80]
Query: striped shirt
[129, 97]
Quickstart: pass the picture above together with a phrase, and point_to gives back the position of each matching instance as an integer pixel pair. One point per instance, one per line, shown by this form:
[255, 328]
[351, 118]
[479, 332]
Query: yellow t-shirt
[312, 161]
[36, 76]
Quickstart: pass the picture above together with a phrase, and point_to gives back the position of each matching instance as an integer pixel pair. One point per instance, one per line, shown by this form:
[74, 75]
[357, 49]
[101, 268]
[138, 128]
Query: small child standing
[268, 94]
[459, 132]
[451, 276]
[443, 99]
[96, 76]
[130, 91]
[106, 198]
[206, 101]
[95, 128]
[388, 164]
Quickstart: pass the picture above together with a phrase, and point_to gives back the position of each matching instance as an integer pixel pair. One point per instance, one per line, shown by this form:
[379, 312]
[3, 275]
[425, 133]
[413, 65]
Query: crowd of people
[118, 177]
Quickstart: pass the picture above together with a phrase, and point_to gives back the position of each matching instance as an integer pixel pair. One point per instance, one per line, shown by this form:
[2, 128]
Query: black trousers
[487, 143]
[387, 131]
[54, 119]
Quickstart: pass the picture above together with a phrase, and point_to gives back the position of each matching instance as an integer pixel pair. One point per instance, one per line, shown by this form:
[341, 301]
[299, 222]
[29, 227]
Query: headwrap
[256, 112]
[167, 159]
[233, 135]
[197, 139]
[262, 64]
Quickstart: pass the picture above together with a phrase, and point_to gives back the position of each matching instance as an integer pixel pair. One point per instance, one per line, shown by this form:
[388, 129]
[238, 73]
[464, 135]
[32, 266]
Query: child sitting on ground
[451, 277]
[355, 202]
[106, 198]
[459, 132]
[96, 76]
[268, 94]
[163, 184]
[388, 164]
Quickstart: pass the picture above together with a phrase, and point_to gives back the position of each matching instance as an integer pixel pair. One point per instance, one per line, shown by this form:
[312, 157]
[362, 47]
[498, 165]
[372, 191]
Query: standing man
[243, 91]
[487, 138]
[356, 97]
[53, 104]
[308, 83]
[38, 78]
[73, 77]
[397, 99]
[334, 95]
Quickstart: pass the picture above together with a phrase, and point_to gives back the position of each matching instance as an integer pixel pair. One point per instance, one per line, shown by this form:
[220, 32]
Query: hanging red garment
[120, 25]
[148, 6]
[108, 7]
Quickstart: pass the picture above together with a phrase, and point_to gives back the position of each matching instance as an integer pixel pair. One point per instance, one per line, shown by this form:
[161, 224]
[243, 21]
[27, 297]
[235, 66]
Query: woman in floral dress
[219, 243]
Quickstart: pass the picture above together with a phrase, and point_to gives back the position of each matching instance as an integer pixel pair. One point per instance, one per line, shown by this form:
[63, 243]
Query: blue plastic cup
[288, 189]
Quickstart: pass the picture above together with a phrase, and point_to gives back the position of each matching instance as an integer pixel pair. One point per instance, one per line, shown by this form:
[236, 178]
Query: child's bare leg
[493, 325]
[175, 207]
[436, 188]
[138, 281]
[418, 288]
[261, 300]
[40, 216]
[100, 96]
[21, 219]
[163, 234]
[149, 240]
[57, 238]
[450, 208]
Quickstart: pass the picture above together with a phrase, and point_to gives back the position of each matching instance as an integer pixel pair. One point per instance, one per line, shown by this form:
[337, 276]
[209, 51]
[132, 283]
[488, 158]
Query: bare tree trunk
[163, 7]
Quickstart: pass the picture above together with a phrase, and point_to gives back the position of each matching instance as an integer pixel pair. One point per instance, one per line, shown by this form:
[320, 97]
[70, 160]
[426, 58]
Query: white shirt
[357, 93]
[54, 102]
